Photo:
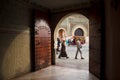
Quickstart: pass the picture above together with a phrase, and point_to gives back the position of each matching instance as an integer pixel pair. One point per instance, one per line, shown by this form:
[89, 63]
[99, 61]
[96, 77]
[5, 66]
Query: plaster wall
[15, 39]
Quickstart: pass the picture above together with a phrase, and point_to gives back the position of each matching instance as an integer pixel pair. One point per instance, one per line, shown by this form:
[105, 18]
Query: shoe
[82, 58]
[67, 57]
[75, 58]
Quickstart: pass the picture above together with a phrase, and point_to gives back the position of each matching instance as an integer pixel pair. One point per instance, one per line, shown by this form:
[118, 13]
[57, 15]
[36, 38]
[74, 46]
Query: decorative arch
[79, 32]
[85, 30]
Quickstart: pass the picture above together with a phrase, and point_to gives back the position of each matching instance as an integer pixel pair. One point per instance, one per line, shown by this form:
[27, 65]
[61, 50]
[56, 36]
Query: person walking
[58, 44]
[79, 46]
[63, 50]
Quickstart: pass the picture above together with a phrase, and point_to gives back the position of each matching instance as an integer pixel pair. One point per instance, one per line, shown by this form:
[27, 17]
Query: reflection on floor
[59, 73]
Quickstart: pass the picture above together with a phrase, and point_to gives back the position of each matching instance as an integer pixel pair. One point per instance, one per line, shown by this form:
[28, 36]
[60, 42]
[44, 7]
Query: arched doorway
[79, 32]
[73, 29]
[94, 24]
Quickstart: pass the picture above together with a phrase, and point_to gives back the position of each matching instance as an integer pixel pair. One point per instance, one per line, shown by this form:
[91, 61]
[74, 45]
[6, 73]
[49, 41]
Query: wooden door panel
[42, 47]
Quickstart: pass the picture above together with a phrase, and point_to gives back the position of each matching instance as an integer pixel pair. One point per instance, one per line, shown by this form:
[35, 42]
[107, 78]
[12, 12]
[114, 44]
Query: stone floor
[71, 62]
[65, 69]
[58, 73]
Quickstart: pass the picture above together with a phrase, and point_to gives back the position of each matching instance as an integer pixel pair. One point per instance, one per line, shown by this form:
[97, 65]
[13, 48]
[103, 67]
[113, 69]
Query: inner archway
[73, 25]
[79, 32]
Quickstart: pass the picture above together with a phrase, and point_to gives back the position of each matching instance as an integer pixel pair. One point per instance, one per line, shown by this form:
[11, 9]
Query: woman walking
[63, 50]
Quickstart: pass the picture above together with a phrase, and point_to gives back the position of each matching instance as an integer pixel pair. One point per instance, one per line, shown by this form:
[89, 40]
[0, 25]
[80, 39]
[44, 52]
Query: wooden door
[42, 45]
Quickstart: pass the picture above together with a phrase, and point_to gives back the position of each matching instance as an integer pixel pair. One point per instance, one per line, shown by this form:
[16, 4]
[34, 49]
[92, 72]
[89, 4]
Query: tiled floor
[65, 69]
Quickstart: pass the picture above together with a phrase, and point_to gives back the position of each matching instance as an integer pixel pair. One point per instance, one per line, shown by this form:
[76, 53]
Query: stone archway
[72, 28]
[95, 38]
[95, 26]
[84, 28]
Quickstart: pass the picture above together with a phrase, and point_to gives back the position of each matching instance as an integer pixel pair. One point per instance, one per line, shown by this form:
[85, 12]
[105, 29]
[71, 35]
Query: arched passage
[70, 23]
[94, 34]
[84, 29]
